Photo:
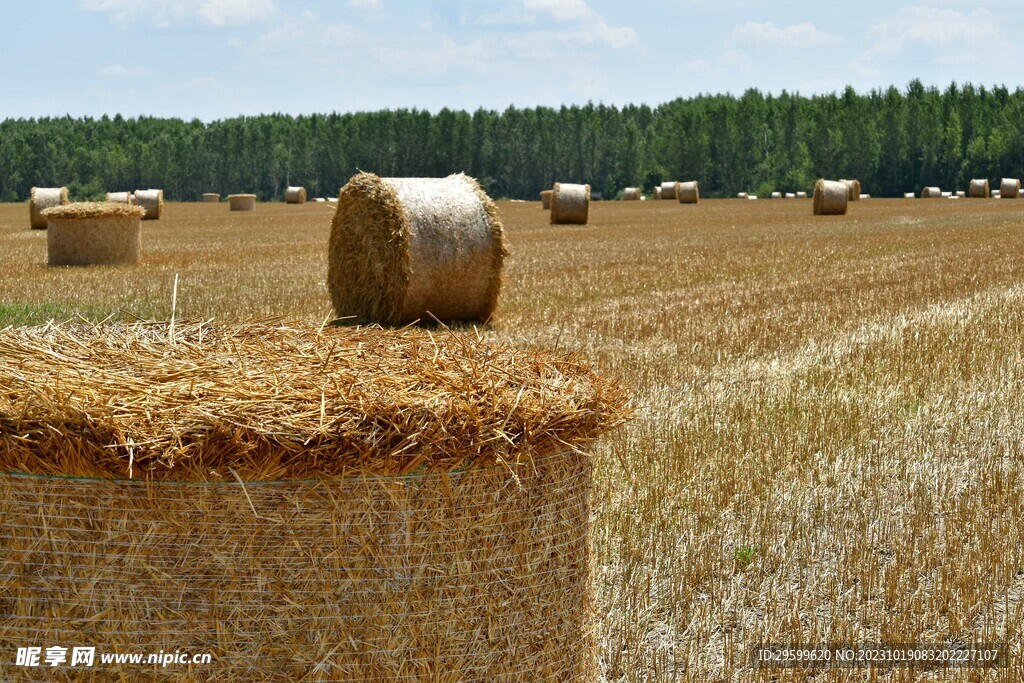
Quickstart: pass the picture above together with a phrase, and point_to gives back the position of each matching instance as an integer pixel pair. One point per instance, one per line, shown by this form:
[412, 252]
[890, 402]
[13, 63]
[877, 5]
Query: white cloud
[956, 37]
[577, 22]
[793, 36]
[364, 4]
[121, 71]
[164, 13]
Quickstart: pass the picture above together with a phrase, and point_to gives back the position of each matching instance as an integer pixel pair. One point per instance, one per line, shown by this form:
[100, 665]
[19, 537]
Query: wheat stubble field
[829, 442]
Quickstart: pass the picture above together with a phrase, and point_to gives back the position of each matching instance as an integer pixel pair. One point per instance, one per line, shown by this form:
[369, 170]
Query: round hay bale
[361, 521]
[632, 194]
[776, 195]
[570, 204]
[688, 192]
[1009, 188]
[801, 195]
[979, 188]
[751, 197]
[831, 198]
[211, 197]
[961, 194]
[909, 195]
[947, 195]
[931, 192]
[295, 195]
[995, 194]
[669, 190]
[242, 202]
[545, 199]
[41, 199]
[152, 201]
[408, 249]
[742, 195]
[93, 233]
[790, 195]
[852, 189]
[656, 193]
[121, 197]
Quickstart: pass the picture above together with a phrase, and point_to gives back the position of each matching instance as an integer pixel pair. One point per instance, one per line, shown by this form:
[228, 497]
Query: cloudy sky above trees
[213, 59]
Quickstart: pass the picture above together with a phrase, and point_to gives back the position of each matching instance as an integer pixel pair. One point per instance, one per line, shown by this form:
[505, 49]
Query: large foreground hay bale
[295, 195]
[212, 197]
[669, 190]
[688, 192]
[93, 233]
[41, 199]
[570, 204]
[632, 194]
[121, 197]
[979, 188]
[242, 202]
[301, 504]
[1009, 188]
[545, 199]
[407, 249]
[931, 192]
[831, 198]
[853, 192]
[152, 201]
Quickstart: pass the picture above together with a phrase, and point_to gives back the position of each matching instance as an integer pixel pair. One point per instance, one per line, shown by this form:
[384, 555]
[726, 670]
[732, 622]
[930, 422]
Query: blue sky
[212, 59]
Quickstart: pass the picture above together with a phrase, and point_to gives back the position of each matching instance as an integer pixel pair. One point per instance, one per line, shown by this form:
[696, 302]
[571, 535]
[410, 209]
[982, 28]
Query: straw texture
[688, 192]
[474, 565]
[545, 199]
[93, 233]
[42, 198]
[152, 201]
[242, 202]
[211, 197]
[979, 188]
[570, 204]
[408, 249]
[853, 192]
[121, 197]
[830, 197]
[931, 193]
[295, 195]
[1009, 188]
[669, 190]
[632, 194]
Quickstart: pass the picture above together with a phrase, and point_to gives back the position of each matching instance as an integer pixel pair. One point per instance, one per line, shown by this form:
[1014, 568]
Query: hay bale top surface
[230, 196]
[273, 401]
[82, 210]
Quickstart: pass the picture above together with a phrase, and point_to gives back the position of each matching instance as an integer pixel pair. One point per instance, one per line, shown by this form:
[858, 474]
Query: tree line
[892, 140]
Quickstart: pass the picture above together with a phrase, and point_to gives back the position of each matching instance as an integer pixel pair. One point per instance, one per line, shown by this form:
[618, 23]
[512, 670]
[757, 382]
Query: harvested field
[829, 443]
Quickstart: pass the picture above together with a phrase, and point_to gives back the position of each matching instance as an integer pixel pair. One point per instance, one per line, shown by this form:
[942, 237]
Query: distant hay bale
[152, 201]
[401, 506]
[1020, 193]
[865, 196]
[961, 194]
[669, 190]
[909, 195]
[408, 249]
[93, 233]
[995, 194]
[320, 200]
[688, 192]
[1009, 188]
[570, 204]
[801, 195]
[121, 197]
[831, 198]
[742, 195]
[947, 195]
[852, 189]
[42, 198]
[776, 195]
[979, 188]
[790, 195]
[545, 199]
[751, 196]
[656, 194]
[931, 192]
[295, 195]
[212, 197]
[632, 194]
[242, 202]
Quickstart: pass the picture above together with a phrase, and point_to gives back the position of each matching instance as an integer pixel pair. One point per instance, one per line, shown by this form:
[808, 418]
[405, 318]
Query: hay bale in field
[947, 195]
[121, 197]
[995, 194]
[93, 233]
[865, 196]
[295, 195]
[931, 192]
[41, 199]
[152, 201]
[367, 519]
[909, 195]
[242, 202]
[776, 195]
[961, 194]
[979, 188]
[790, 195]
[570, 204]
[688, 192]
[801, 195]
[751, 196]
[831, 198]
[656, 192]
[632, 194]
[852, 189]
[211, 197]
[545, 199]
[407, 249]
[742, 195]
[669, 190]
[1009, 188]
